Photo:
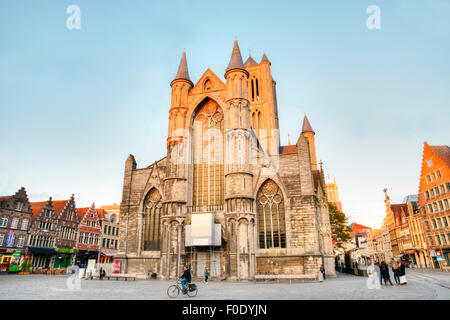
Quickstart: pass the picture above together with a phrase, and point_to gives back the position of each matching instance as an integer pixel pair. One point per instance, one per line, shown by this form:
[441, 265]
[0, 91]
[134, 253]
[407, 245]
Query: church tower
[238, 176]
[175, 182]
[263, 104]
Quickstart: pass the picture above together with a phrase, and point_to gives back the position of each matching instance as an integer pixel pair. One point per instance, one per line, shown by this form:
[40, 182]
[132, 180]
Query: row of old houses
[54, 234]
[418, 229]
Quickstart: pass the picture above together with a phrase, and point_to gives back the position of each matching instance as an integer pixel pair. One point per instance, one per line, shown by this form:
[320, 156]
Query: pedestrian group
[399, 271]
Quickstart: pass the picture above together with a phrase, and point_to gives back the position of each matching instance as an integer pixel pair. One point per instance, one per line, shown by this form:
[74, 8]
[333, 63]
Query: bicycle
[174, 290]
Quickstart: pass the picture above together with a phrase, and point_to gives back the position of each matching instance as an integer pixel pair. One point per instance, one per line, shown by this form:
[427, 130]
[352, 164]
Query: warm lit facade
[333, 194]
[89, 235]
[417, 233]
[109, 223]
[227, 195]
[434, 202]
[53, 233]
[15, 221]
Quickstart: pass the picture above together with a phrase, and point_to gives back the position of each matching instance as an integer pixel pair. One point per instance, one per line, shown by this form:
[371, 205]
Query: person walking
[385, 273]
[322, 269]
[396, 270]
[206, 275]
[402, 273]
[380, 274]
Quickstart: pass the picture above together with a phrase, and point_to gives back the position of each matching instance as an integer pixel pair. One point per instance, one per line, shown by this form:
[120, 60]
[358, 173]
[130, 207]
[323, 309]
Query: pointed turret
[235, 60]
[264, 59]
[309, 134]
[182, 73]
[250, 62]
[306, 125]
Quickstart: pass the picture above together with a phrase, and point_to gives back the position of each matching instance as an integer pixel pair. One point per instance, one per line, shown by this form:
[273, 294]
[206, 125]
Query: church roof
[250, 62]
[288, 149]
[236, 59]
[306, 125]
[183, 73]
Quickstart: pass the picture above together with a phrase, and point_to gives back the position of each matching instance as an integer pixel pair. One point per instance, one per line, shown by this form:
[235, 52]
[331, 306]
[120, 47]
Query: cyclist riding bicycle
[185, 278]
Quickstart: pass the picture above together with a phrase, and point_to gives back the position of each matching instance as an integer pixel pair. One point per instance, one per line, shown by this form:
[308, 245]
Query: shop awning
[109, 254]
[42, 251]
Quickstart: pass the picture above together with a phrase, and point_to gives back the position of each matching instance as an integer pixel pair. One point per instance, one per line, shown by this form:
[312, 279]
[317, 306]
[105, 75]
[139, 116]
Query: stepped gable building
[53, 233]
[434, 203]
[227, 195]
[89, 234]
[15, 220]
[43, 233]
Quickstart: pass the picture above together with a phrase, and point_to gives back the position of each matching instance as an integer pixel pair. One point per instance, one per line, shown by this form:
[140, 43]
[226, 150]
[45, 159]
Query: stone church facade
[224, 162]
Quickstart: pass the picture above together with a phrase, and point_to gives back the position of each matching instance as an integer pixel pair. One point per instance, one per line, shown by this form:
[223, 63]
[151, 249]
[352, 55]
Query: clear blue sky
[75, 103]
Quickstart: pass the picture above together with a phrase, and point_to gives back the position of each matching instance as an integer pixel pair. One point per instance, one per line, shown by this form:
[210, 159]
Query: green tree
[339, 231]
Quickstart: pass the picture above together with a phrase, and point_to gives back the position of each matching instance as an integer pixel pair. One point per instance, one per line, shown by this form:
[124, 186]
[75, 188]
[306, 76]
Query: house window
[19, 206]
[448, 186]
[430, 238]
[439, 173]
[446, 203]
[442, 188]
[437, 191]
[428, 178]
[430, 208]
[427, 194]
[24, 224]
[443, 239]
[14, 223]
[4, 221]
[2, 237]
[432, 192]
[438, 240]
[433, 176]
[435, 207]
[441, 205]
[115, 244]
[430, 162]
[445, 221]
[439, 222]
[20, 241]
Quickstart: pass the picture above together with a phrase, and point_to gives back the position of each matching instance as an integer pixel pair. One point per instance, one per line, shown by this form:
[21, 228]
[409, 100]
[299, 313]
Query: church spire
[264, 58]
[306, 125]
[183, 73]
[235, 60]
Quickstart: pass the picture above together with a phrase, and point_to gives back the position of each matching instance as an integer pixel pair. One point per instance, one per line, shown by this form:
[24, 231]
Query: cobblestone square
[422, 285]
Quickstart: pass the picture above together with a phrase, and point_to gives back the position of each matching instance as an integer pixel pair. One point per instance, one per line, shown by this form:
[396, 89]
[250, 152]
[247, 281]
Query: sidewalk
[429, 270]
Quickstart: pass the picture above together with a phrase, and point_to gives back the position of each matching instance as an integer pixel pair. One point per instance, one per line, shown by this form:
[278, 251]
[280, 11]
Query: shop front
[63, 258]
[83, 256]
[11, 260]
[107, 257]
[42, 257]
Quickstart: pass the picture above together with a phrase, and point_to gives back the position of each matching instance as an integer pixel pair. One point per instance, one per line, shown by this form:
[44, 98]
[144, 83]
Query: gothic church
[227, 196]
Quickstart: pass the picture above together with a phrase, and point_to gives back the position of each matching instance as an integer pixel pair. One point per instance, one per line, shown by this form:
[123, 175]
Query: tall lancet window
[271, 220]
[152, 221]
[208, 155]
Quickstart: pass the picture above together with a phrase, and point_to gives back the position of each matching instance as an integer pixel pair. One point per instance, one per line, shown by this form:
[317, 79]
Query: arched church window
[152, 221]
[207, 86]
[271, 216]
[257, 89]
[208, 153]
